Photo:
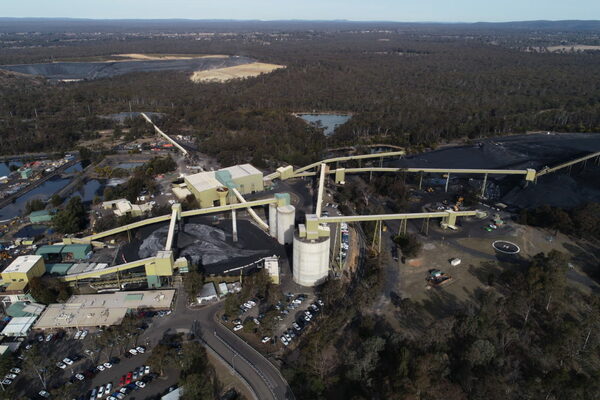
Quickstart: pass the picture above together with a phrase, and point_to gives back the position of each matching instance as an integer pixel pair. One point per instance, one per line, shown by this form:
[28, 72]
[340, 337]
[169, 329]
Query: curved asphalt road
[263, 377]
[266, 380]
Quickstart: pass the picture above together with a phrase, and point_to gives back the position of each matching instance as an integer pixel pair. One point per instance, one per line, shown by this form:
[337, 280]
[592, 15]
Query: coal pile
[97, 70]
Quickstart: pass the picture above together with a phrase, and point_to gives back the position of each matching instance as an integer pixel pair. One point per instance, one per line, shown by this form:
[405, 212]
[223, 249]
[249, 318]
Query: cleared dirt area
[235, 72]
[573, 48]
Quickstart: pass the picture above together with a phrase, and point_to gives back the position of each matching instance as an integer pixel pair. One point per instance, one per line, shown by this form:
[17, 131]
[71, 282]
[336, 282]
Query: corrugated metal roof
[50, 249]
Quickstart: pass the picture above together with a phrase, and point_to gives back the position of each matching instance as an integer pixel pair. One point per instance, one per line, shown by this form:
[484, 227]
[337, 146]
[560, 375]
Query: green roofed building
[76, 251]
[58, 268]
[58, 253]
[37, 217]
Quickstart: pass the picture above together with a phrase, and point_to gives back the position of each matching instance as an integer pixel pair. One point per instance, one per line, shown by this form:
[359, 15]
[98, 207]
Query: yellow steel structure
[163, 218]
[547, 170]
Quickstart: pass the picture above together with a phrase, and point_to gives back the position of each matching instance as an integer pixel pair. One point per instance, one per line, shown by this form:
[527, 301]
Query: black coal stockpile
[96, 70]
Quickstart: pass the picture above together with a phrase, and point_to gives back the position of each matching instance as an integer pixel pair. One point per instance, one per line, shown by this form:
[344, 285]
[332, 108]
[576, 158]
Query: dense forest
[406, 88]
[529, 337]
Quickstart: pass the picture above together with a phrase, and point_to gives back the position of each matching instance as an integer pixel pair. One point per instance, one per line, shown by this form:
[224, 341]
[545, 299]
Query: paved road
[261, 375]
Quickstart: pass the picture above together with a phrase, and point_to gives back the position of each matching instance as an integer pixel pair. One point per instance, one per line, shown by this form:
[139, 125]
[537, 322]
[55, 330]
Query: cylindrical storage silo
[285, 224]
[273, 220]
[310, 261]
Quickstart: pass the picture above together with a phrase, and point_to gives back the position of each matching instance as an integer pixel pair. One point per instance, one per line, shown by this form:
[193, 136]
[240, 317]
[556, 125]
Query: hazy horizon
[427, 11]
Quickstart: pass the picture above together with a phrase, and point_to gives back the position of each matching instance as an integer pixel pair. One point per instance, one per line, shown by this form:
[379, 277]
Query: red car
[122, 381]
[128, 378]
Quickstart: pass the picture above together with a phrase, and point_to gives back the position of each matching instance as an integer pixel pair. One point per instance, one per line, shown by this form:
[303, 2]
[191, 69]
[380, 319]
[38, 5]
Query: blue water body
[74, 168]
[31, 231]
[91, 189]
[42, 192]
[329, 122]
[5, 167]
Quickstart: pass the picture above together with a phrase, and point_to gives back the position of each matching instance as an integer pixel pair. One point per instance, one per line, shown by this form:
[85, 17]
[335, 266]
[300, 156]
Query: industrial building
[122, 207]
[18, 274]
[213, 188]
[86, 311]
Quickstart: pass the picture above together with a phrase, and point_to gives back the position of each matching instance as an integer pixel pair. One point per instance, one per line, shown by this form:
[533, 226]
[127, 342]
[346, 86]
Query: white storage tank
[311, 260]
[285, 224]
[273, 220]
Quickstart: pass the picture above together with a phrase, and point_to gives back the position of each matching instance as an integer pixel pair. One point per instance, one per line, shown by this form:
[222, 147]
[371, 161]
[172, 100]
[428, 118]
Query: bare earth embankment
[235, 72]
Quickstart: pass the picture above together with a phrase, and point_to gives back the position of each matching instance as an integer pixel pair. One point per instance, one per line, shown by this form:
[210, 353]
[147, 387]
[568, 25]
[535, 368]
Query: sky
[358, 10]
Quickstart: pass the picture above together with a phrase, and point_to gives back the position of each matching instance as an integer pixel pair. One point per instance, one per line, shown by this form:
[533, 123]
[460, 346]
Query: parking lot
[79, 361]
[291, 316]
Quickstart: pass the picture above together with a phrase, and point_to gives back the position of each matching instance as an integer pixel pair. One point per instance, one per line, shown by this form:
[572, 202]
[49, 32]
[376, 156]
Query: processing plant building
[213, 188]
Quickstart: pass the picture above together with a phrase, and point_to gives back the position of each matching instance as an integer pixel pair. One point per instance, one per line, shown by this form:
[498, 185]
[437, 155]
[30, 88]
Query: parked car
[265, 339]
[83, 334]
[108, 387]
[238, 327]
[140, 384]
[141, 349]
[15, 370]
[6, 382]
[49, 337]
[133, 352]
[80, 377]
[77, 335]
[107, 365]
[61, 365]
[44, 394]
[67, 361]
[147, 369]
[10, 376]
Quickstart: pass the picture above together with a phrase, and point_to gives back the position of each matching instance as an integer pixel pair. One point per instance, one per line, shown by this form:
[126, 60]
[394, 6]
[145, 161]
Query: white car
[140, 349]
[80, 377]
[101, 368]
[67, 361]
[83, 334]
[6, 382]
[107, 365]
[111, 398]
[320, 302]
[119, 395]
[147, 369]
[44, 394]
[15, 370]
[108, 387]
[284, 340]
[265, 339]
[100, 392]
[61, 365]
[77, 335]
[140, 384]
[251, 303]
[238, 327]
[133, 352]
[10, 376]
[49, 337]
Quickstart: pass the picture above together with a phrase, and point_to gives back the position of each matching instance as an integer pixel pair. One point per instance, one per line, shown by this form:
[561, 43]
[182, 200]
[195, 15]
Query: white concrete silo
[273, 220]
[285, 224]
[310, 260]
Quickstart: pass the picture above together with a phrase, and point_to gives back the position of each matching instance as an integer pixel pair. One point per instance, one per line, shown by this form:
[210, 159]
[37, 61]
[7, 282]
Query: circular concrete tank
[285, 224]
[310, 261]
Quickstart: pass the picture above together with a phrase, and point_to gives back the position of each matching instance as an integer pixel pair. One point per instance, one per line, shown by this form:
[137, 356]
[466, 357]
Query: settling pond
[328, 122]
